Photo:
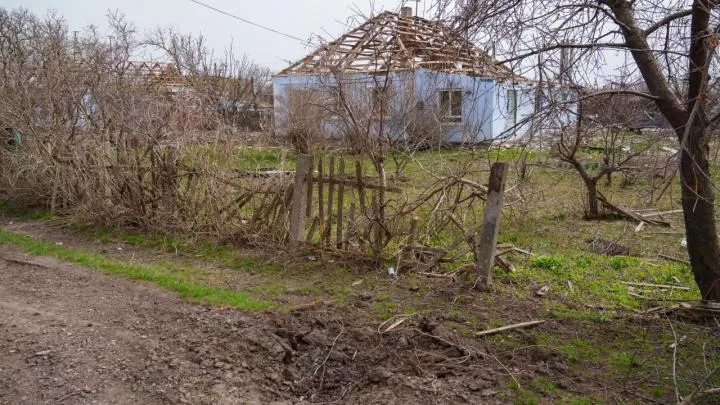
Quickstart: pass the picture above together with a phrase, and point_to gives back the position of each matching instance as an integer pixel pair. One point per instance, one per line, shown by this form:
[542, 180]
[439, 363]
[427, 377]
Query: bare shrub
[101, 134]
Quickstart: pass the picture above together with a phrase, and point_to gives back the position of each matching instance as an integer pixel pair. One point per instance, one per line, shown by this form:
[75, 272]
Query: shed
[415, 75]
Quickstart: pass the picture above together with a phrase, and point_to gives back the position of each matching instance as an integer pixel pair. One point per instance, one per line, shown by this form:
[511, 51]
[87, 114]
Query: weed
[541, 383]
[523, 396]
[578, 350]
[547, 262]
[618, 263]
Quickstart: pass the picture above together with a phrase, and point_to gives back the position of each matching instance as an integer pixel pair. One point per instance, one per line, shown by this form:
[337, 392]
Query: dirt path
[72, 335]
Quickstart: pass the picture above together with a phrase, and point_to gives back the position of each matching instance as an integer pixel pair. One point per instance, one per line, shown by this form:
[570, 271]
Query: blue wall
[484, 112]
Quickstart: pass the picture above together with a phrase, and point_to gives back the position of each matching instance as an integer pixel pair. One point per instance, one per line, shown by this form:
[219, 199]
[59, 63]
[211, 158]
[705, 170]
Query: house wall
[502, 126]
[484, 103]
[477, 103]
[293, 94]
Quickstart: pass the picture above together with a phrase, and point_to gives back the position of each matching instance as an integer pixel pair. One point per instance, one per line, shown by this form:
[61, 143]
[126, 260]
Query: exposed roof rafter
[390, 41]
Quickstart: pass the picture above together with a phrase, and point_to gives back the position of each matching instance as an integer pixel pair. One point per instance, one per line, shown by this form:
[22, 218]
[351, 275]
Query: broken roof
[391, 41]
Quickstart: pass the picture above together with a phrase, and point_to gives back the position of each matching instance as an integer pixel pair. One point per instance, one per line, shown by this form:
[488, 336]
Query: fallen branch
[674, 259]
[658, 214]
[438, 275]
[23, 262]
[508, 327]
[332, 347]
[631, 215]
[504, 264]
[676, 287]
[513, 249]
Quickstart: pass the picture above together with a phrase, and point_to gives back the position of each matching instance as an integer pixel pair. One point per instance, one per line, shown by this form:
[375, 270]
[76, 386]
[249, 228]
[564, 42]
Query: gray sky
[300, 18]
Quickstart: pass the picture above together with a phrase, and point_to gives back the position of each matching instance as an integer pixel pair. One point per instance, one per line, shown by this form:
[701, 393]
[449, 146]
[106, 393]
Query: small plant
[618, 263]
[547, 262]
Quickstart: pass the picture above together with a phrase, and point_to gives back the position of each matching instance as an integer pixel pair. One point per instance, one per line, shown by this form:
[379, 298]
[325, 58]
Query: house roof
[156, 73]
[391, 41]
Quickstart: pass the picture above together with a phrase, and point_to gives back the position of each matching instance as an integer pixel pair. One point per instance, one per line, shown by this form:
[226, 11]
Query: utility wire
[303, 41]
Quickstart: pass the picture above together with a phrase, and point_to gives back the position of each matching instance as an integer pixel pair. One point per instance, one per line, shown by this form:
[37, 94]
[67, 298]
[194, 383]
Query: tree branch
[613, 92]
[666, 20]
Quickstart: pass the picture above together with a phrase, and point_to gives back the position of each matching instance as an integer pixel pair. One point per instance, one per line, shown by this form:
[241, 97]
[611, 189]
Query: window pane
[445, 101]
[456, 103]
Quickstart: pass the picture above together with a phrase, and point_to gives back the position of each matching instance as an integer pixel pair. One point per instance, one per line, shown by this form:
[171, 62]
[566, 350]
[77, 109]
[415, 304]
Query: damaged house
[402, 77]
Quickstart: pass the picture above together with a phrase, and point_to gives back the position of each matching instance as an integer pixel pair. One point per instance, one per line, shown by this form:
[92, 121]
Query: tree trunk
[699, 210]
[593, 210]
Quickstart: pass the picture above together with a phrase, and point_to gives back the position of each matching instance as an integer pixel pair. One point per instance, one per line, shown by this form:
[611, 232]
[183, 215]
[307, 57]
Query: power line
[303, 41]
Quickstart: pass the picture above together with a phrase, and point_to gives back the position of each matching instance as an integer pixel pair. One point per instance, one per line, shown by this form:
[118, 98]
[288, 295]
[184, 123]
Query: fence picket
[331, 195]
[340, 203]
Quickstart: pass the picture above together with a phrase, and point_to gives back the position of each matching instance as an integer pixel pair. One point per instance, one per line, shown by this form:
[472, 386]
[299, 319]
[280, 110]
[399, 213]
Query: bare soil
[74, 336]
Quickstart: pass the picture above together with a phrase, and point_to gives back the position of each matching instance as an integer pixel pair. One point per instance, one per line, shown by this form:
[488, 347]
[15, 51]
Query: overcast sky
[300, 18]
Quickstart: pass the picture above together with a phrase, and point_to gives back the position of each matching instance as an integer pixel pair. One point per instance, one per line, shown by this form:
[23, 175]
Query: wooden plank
[508, 327]
[354, 183]
[321, 195]
[662, 286]
[309, 193]
[412, 234]
[485, 250]
[313, 229]
[331, 196]
[340, 203]
[376, 228]
[360, 186]
[350, 231]
[297, 213]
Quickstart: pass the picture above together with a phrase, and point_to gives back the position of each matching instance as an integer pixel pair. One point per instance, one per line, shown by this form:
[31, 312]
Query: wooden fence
[344, 208]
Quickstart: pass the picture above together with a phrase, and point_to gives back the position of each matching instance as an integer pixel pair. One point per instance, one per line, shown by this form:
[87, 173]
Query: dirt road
[71, 335]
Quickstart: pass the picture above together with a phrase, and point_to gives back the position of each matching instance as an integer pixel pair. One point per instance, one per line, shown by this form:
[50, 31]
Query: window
[451, 105]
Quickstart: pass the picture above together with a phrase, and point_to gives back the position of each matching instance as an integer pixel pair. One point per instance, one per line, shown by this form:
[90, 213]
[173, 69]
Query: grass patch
[179, 280]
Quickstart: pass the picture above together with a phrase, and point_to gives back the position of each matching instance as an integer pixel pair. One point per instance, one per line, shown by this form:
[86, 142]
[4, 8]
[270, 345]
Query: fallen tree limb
[659, 214]
[676, 287]
[629, 214]
[23, 262]
[508, 327]
[674, 259]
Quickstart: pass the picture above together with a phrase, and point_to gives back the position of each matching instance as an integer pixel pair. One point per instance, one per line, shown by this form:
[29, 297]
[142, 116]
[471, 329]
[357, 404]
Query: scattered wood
[607, 247]
[510, 249]
[543, 291]
[674, 259]
[659, 214]
[627, 213]
[23, 262]
[509, 327]
[504, 264]
[638, 284]
[353, 183]
[396, 320]
[437, 275]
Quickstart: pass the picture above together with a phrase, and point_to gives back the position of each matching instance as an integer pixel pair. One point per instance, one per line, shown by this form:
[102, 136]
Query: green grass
[180, 280]
[587, 278]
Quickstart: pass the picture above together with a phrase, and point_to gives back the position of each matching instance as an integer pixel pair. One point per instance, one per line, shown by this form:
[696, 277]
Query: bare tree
[670, 47]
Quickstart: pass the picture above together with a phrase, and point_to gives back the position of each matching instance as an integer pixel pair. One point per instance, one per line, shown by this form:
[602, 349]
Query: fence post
[486, 246]
[299, 199]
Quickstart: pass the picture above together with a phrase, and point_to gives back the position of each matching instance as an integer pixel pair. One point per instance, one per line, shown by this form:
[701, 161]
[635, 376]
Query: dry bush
[107, 143]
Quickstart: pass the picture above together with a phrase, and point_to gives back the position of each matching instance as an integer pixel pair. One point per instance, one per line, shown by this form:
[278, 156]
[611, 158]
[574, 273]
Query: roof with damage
[392, 41]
